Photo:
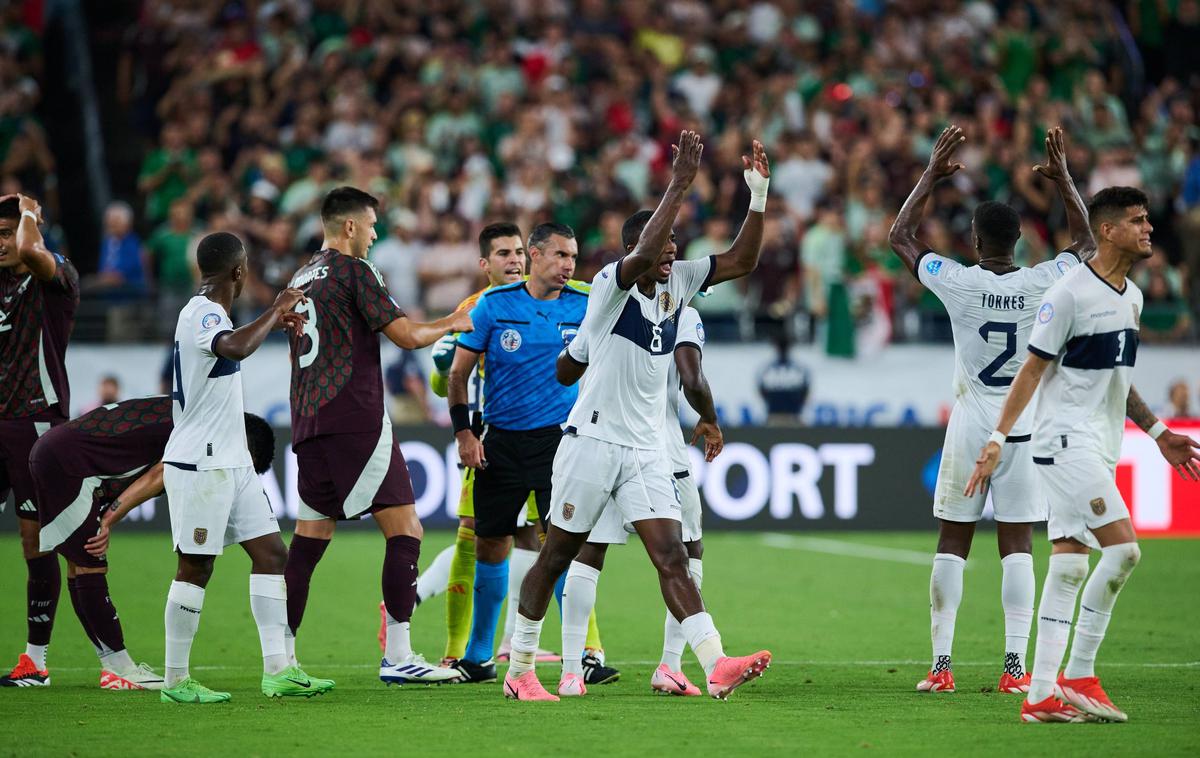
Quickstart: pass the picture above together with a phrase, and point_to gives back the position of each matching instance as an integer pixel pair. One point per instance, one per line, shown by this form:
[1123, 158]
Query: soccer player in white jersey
[612, 447]
[1085, 345]
[579, 594]
[992, 308]
[215, 498]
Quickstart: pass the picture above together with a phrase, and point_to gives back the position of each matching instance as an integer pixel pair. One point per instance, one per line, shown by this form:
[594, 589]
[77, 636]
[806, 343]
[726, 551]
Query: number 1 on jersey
[309, 309]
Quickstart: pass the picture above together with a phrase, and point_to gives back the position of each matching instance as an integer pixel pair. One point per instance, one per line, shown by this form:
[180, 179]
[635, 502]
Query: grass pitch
[846, 616]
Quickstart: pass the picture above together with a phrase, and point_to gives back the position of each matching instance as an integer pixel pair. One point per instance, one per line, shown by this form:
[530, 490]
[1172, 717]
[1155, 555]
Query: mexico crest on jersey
[510, 340]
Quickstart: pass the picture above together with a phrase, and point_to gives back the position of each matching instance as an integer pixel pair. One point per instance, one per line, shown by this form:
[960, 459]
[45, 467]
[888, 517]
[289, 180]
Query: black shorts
[17, 437]
[518, 463]
[343, 476]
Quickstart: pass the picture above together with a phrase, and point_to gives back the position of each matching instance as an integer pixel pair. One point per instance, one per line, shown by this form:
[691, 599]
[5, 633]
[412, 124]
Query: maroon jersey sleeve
[65, 279]
[36, 319]
[371, 296]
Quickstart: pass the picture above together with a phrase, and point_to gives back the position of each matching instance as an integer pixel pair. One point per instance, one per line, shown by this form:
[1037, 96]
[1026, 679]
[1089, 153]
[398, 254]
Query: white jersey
[991, 316]
[1089, 330]
[630, 344]
[689, 332]
[208, 413]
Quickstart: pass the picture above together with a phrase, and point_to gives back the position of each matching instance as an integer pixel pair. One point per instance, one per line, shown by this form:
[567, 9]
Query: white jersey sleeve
[577, 348]
[1053, 270]
[689, 277]
[691, 329]
[938, 273]
[1054, 324]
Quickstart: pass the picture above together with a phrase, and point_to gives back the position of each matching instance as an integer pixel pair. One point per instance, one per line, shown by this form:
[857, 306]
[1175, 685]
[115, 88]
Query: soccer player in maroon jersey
[39, 292]
[88, 473]
[349, 463]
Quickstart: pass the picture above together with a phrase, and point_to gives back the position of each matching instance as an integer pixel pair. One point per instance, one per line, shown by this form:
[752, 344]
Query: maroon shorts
[70, 509]
[17, 437]
[343, 476]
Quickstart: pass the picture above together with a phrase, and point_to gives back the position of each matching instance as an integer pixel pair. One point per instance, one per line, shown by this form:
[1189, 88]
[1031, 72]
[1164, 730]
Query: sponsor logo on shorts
[510, 340]
[933, 267]
[27, 507]
[1045, 313]
[1098, 506]
[199, 536]
[568, 511]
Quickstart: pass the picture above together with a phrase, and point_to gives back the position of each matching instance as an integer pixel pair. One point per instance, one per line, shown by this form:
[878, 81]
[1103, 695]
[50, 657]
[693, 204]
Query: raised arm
[699, 396]
[1024, 384]
[742, 258]
[240, 344]
[903, 235]
[412, 335]
[658, 229]
[1178, 449]
[1055, 169]
[31, 248]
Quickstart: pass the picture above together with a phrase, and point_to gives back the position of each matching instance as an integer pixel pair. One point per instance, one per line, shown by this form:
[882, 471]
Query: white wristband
[758, 185]
[758, 203]
[31, 215]
[1157, 430]
[998, 437]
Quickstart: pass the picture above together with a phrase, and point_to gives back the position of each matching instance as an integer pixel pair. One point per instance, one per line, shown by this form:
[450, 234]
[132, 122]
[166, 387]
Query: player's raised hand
[685, 157]
[27, 203]
[460, 321]
[1181, 451]
[985, 464]
[1055, 168]
[941, 161]
[757, 162]
[714, 440]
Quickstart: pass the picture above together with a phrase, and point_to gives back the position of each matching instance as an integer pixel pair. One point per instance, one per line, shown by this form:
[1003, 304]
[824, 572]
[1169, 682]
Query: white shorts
[1083, 496]
[612, 530]
[215, 508]
[591, 475]
[1016, 494]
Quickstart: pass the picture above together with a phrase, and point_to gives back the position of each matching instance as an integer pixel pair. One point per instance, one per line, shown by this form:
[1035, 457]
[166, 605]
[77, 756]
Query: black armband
[460, 417]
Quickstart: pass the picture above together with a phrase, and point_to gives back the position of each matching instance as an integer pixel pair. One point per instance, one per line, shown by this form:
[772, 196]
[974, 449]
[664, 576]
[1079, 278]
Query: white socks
[432, 581]
[579, 597]
[673, 638]
[289, 646]
[399, 644]
[520, 561]
[1017, 589]
[37, 653]
[1095, 606]
[526, 634]
[182, 618]
[704, 639]
[945, 594]
[1057, 609]
[268, 605]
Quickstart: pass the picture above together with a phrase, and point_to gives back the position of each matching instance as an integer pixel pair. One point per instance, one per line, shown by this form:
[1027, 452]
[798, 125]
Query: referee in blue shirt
[520, 328]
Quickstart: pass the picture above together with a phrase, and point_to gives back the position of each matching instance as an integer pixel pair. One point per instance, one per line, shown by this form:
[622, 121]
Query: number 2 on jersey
[309, 309]
[1009, 330]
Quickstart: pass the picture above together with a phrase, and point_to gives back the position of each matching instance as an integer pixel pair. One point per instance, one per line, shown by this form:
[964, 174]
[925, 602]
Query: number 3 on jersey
[1009, 330]
[309, 309]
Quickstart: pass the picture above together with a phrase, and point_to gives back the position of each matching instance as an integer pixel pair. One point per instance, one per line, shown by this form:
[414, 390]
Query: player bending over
[88, 474]
[612, 447]
[349, 461]
[579, 596]
[992, 308]
[39, 292]
[1085, 344]
[214, 496]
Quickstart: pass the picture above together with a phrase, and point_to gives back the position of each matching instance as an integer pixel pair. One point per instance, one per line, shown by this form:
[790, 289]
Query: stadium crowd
[459, 112]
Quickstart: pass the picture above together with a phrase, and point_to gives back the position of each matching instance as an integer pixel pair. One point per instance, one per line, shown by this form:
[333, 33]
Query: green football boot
[191, 691]
[293, 682]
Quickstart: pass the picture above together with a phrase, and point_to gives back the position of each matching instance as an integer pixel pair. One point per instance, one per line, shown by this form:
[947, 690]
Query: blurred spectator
[723, 303]
[397, 257]
[784, 386]
[409, 390]
[107, 391]
[166, 172]
[122, 261]
[1178, 401]
[823, 252]
[169, 247]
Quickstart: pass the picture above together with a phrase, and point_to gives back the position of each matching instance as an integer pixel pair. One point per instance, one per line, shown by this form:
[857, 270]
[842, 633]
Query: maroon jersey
[115, 439]
[36, 319]
[337, 382]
